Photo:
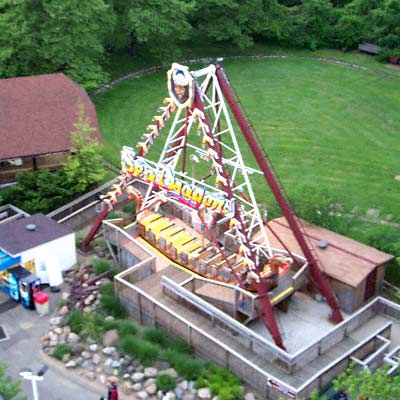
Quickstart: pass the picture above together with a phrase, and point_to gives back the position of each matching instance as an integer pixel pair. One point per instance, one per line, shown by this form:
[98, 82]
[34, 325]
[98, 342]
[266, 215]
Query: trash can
[41, 303]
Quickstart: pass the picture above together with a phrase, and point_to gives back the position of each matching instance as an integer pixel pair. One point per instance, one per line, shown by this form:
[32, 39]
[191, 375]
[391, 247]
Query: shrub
[110, 324]
[92, 326]
[180, 345]
[201, 382]
[75, 321]
[111, 306]
[107, 288]
[126, 327]
[144, 351]
[100, 266]
[222, 382]
[61, 350]
[185, 365]
[156, 336]
[165, 382]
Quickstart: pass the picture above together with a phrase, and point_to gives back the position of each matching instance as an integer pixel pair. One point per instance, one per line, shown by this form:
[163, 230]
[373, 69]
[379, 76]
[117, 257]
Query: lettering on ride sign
[163, 177]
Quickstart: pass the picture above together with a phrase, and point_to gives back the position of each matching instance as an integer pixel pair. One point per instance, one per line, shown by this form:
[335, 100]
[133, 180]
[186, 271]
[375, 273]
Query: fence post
[189, 335]
[140, 308]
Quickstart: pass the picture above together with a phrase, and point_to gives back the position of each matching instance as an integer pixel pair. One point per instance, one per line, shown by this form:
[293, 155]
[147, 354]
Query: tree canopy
[44, 36]
[369, 385]
[77, 37]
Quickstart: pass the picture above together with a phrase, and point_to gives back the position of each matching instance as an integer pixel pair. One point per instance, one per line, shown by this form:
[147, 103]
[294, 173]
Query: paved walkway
[24, 329]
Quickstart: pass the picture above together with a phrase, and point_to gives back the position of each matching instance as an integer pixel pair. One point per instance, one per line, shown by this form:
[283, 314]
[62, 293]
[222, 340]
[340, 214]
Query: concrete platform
[304, 315]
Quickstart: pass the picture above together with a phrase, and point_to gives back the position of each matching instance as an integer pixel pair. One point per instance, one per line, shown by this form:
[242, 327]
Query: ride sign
[163, 176]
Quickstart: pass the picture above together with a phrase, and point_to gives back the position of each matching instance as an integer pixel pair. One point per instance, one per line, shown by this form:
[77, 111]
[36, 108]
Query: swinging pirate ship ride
[209, 222]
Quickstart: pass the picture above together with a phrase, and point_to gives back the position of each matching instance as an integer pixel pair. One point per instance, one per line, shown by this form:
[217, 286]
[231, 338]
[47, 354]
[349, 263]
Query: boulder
[126, 388]
[249, 396]
[73, 338]
[110, 338]
[87, 365]
[94, 347]
[149, 382]
[96, 359]
[142, 395]
[66, 330]
[71, 364]
[58, 330]
[151, 389]
[77, 348]
[189, 396]
[137, 387]
[150, 372]
[55, 321]
[169, 396]
[63, 311]
[137, 377]
[171, 372]
[109, 350]
[204, 394]
[52, 336]
[179, 392]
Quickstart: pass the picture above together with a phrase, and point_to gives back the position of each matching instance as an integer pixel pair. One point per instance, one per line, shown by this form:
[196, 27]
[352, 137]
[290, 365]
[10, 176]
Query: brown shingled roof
[344, 259]
[37, 114]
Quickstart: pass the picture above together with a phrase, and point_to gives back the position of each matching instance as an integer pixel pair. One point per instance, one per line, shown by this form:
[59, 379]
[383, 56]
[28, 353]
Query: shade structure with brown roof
[37, 114]
[344, 259]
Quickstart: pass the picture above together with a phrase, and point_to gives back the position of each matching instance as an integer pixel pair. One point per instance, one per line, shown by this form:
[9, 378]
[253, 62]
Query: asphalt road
[21, 349]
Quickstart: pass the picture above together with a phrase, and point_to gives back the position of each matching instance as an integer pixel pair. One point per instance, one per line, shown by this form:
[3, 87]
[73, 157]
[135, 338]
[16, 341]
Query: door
[370, 284]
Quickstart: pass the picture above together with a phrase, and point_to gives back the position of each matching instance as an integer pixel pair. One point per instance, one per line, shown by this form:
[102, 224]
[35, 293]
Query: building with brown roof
[355, 271]
[37, 114]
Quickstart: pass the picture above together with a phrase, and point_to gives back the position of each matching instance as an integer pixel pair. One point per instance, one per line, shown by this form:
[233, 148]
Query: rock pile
[101, 362]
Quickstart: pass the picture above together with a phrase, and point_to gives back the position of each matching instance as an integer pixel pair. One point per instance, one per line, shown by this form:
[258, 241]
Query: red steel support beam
[100, 217]
[266, 314]
[319, 278]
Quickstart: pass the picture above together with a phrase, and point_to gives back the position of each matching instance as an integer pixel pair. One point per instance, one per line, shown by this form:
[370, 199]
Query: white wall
[63, 250]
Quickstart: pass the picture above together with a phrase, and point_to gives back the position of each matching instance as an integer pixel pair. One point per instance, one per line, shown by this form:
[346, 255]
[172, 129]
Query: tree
[234, 20]
[84, 167]
[376, 385]
[157, 25]
[386, 20]
[39, 191]
[44, 36]
[350, 30]
[311, 24]
[8, 388]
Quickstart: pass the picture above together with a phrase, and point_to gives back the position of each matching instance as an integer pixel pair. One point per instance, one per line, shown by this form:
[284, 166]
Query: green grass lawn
[325, 126]
[121, 62]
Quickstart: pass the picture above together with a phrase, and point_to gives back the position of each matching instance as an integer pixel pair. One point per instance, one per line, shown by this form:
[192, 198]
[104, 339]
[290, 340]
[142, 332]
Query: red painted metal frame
[266, 314]
[100, 217]
[318, 276]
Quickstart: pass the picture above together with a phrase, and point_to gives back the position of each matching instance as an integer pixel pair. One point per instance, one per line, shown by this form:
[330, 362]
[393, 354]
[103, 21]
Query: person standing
[112, 392]
[341, 395]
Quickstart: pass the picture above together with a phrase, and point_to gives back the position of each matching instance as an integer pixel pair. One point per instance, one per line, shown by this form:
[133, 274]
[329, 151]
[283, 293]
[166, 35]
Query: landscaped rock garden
[91, 335]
